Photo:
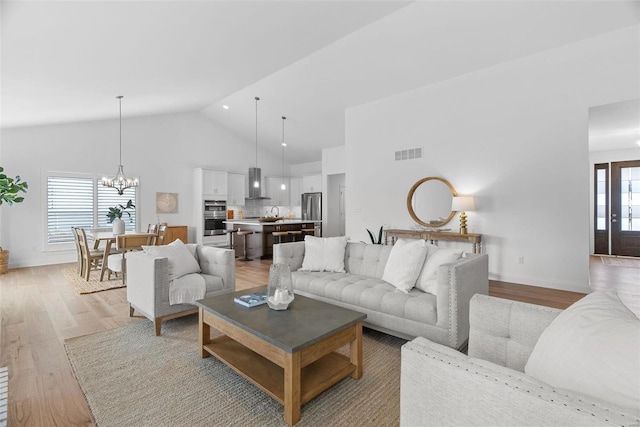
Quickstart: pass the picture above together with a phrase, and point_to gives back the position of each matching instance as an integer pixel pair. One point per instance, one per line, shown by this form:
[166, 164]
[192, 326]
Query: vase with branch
[115, 216]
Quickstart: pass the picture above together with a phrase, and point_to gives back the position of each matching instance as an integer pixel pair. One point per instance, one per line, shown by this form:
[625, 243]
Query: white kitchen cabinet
[295, 191]
[312, 183]
[236, 193]
[214, 183]
[279, 197]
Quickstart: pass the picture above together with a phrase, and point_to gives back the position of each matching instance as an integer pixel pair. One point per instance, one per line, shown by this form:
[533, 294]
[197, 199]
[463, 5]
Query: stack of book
[251, 300]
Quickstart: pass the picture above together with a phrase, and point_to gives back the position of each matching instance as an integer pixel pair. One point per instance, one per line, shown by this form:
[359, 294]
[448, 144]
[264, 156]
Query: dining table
[109, 238]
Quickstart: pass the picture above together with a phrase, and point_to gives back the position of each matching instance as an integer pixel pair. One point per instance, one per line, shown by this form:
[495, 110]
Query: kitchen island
[260, 243]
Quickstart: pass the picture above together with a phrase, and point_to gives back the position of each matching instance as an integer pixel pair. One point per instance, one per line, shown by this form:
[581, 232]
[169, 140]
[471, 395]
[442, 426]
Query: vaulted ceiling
[309, 60]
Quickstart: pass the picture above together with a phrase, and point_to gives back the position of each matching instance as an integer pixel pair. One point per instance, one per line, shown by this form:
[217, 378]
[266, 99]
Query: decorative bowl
[269, 218]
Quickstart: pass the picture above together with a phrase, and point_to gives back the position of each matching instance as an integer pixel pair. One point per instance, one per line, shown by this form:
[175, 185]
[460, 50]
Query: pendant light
[120, 182]
[283, 186]
[256, 183]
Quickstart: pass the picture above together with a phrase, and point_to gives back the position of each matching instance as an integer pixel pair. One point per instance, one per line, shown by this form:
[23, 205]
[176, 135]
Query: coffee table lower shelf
[269, 377]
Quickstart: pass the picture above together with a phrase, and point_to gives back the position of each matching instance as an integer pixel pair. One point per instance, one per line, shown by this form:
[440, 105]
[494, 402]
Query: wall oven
[215, 213]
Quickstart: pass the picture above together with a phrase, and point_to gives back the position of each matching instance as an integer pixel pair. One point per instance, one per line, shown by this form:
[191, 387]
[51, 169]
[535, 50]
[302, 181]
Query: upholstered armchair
[149, 278]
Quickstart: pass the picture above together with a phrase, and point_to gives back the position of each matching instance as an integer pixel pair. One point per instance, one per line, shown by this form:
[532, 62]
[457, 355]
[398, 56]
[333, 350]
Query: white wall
[161, 150]
[514, 136]
[604, 157]
[302, 169]
[333, 176]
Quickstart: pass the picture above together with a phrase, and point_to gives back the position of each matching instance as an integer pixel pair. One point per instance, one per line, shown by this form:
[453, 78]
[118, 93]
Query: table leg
[105, 258]
[204, 334]
[356, 352]
[292, 388]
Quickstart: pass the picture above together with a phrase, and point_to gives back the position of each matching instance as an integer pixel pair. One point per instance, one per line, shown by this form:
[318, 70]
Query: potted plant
[373, 240]
[115, 216]
[9, 193]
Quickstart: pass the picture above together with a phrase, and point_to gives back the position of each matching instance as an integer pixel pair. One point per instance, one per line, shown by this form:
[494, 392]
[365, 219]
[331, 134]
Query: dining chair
[90, 257]
[153, 228]
[117, 263]
[76, 239]
[160, 231]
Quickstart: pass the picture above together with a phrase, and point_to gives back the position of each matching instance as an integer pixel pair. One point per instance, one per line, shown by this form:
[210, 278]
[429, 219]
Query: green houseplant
[115, 216]
[118, 211]
[10, 188]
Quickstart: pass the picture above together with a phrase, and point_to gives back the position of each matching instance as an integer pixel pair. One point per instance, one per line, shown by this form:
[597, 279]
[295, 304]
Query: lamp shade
[462, 204]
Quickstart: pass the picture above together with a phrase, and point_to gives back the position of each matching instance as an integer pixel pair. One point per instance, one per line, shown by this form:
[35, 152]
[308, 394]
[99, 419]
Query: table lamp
[462, 204]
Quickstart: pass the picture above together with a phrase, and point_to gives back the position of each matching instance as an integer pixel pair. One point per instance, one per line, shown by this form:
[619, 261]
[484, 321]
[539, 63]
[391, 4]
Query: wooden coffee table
[287, 354]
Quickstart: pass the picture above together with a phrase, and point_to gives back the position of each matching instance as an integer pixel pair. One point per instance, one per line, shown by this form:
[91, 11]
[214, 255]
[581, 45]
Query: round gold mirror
[429, 202]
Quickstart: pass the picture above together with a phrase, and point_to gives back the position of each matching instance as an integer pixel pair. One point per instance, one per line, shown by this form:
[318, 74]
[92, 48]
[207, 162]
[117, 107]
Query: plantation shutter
[69, 204]
[109, 198]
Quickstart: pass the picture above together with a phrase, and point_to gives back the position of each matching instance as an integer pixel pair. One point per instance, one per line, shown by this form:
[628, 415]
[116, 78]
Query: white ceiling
[66, 61]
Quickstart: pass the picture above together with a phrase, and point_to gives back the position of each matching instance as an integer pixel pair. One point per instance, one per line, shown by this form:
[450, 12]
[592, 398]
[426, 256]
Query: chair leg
[157, 323]
[131, 310]
[87, 270]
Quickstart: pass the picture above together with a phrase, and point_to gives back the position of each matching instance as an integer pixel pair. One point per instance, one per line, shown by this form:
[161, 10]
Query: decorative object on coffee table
[280, 287]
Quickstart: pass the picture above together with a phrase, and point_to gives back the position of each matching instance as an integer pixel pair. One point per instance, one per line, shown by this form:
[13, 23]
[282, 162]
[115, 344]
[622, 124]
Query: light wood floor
[39, 310]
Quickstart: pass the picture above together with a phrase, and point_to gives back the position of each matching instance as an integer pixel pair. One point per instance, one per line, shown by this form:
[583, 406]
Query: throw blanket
[187, 289]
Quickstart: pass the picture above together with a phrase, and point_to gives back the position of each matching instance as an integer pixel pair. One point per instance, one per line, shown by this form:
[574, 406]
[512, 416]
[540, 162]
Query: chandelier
[120, 182]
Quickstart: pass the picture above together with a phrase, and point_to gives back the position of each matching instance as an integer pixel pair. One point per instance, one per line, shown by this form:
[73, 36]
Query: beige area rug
[621, 262]
[130, 377]
[94, 284]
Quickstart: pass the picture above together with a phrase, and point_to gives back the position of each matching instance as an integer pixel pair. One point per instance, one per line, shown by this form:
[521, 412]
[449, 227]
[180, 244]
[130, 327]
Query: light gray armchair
[148, 282]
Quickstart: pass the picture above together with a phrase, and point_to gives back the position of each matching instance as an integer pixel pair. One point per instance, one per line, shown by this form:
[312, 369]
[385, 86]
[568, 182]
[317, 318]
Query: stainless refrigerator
[312, 209]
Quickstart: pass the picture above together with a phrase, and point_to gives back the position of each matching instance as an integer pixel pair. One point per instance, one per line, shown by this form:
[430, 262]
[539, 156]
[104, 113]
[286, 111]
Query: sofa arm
[504, 332]
[440, 387]
[289, 253]
[147, 281]
[457, 283]
[219, 262]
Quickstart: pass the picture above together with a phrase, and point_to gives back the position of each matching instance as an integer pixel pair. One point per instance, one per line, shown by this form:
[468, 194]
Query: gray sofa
[440, 386]
[443, 319]
[148, 282]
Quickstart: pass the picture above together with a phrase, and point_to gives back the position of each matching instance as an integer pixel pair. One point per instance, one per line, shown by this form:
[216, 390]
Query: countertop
[283, 221]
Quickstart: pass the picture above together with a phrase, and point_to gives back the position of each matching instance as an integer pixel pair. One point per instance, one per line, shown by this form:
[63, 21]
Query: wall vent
[412, 153]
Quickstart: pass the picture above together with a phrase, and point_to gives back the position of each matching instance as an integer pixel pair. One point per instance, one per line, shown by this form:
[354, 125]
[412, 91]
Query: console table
[433, 236]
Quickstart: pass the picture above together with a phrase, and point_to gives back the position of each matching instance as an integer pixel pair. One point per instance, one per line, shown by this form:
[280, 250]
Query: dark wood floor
[39, 310]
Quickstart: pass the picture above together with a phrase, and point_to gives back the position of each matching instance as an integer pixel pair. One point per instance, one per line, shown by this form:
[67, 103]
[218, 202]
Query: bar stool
[245, 233]
[279, 235]
[295, 233]
[230, 233]
[308, 231]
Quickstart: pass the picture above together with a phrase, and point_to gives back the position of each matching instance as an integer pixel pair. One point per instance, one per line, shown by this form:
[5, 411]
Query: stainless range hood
[255, 174]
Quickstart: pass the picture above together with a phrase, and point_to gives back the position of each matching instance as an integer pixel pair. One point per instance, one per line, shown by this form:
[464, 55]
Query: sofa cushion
[405, 263]
[427, 279]
[181, 262]
[593, 347]
[365, 259]
[366, 292]
[324, 254]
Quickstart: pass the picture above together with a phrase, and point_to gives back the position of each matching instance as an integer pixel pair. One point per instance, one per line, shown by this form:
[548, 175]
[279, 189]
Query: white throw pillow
[181, 261]
[404, 263]
[324, 254]
[593, 347]
[428, 278]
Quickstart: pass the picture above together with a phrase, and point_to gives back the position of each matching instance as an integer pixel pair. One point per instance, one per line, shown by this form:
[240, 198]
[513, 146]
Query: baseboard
[544, 282]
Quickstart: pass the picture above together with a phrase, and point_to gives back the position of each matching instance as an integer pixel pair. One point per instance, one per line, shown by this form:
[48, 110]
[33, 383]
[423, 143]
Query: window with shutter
[81, 201]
